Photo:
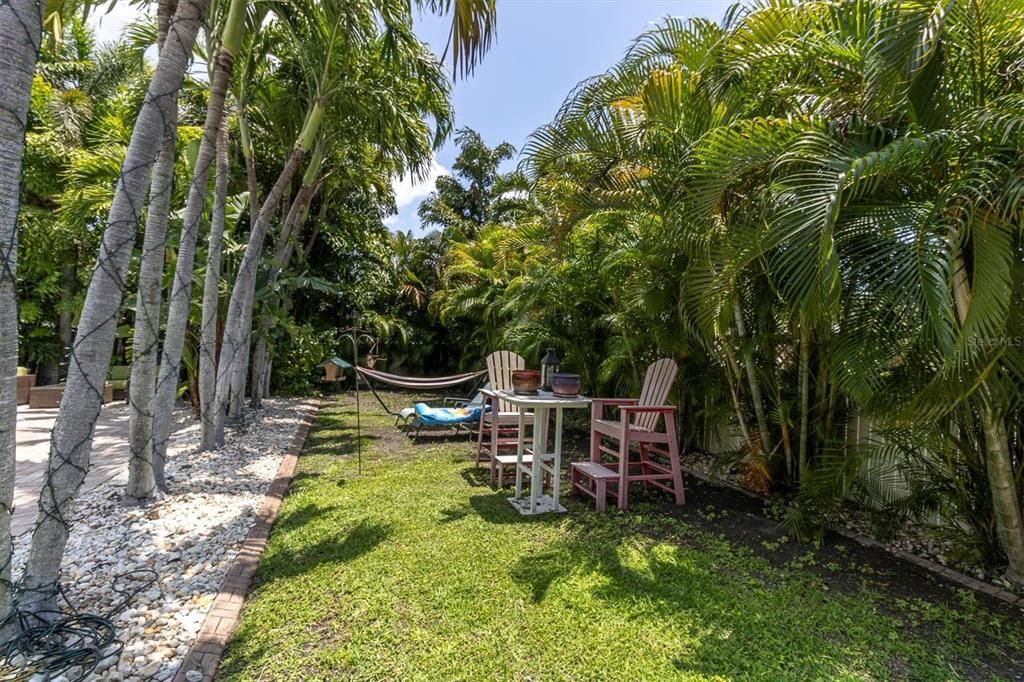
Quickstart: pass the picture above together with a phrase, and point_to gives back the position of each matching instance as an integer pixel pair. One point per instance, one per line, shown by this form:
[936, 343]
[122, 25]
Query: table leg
[557, 465]
[520, 447]
[540, 445]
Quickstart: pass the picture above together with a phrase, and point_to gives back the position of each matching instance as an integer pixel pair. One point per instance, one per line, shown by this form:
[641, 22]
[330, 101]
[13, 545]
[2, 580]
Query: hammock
[420, 382]
[414, 383]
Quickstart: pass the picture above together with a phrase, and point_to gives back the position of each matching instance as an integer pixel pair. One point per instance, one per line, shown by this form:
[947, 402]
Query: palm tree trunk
[291, 225]
[733, 370]
[260, 361]
[146, 339]
[998, 462]
[755, 384]
[805, 398]
[71, 441]
[211, 291]
[1005, 500]
[181, 289]
[241, 370]
[234, 343]
[20, 35]
[245, 142]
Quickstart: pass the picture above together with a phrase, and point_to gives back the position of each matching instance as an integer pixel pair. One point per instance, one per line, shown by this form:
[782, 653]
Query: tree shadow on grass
[362, 538]
[438, 437]
[339, 442]
[301, 517]
[478, 477]
[739, 606]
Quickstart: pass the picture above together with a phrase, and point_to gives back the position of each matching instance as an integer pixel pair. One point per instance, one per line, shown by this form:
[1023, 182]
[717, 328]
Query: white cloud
[110, 25]
[407, 192]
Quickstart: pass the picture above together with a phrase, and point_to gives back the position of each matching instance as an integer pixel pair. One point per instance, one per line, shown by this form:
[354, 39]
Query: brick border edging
[935, 567]
[226, 610]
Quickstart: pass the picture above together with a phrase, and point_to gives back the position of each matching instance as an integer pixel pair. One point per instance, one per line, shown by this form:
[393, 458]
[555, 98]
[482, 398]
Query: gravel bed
[189, 538]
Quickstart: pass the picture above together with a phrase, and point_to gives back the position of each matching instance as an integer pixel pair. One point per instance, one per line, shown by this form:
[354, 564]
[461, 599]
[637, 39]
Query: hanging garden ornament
[548, 367]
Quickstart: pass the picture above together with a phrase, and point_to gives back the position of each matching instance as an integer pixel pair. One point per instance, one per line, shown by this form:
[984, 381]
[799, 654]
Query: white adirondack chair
[499, 426]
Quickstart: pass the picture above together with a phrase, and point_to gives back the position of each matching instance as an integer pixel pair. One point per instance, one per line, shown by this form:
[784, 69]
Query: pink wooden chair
[499, 426]
[638, 424]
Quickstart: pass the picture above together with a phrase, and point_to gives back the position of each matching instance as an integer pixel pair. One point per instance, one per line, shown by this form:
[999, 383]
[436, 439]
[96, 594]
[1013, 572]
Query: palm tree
[488, 195]
[180, 301]
[827, 186]
[145, 342]
[211, 288]
[321, 50]
[72, 433]
[20, 37]
[290, 227]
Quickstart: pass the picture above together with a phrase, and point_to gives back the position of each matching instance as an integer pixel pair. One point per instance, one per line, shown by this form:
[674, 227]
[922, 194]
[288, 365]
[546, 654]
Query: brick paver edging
[944, 571]
[204, 654]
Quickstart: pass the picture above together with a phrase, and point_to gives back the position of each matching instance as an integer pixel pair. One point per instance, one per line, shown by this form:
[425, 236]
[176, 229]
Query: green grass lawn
[417, 570]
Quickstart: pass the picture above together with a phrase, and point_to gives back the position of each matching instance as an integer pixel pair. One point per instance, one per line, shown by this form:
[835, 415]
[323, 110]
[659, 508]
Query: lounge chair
[446, 417]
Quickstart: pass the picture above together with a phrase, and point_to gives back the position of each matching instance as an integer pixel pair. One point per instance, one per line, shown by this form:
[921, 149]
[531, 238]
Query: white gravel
[190, 538]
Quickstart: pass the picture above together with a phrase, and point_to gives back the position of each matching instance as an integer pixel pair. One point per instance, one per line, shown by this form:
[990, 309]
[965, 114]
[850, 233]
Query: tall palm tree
[211, 288]
[841, 180]
[146, 336]
[325, 53]
[180, 302]
[20, 37]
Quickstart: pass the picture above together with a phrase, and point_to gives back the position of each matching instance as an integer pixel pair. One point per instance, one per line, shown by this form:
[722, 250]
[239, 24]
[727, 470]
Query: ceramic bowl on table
[565, 384]
[525, 381]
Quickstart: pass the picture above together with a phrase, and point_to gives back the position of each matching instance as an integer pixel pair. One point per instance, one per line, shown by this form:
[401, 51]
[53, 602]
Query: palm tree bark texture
[232, 351]
[181, 289]
[211, 291]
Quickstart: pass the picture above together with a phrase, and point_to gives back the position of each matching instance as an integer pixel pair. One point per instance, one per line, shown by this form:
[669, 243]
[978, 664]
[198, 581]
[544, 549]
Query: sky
[542, 50]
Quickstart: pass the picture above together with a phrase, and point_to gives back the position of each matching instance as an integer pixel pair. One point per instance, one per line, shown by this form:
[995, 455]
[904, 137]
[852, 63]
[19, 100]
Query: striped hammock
[419, 382]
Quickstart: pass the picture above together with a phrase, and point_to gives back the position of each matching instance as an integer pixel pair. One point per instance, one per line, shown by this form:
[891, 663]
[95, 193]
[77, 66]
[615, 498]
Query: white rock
[150, 670]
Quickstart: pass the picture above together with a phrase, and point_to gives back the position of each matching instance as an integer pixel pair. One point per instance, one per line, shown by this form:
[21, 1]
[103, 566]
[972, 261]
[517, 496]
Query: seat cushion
[442, 416]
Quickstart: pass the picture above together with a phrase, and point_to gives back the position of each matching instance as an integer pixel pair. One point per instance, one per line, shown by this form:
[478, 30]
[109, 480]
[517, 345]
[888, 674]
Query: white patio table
[541, 460]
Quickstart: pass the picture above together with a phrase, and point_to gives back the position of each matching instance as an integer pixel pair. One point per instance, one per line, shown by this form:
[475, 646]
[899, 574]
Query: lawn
[418, 570]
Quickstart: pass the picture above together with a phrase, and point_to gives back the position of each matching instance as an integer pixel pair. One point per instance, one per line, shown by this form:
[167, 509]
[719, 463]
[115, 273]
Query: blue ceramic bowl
[563, 383]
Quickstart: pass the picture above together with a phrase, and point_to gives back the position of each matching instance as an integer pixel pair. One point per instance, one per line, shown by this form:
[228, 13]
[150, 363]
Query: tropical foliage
[816, 207]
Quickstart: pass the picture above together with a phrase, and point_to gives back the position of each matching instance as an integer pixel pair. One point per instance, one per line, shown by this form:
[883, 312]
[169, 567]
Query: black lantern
[548, 367]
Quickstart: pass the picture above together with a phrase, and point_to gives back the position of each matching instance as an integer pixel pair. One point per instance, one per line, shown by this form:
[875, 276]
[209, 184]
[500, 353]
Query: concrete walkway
[109, 456]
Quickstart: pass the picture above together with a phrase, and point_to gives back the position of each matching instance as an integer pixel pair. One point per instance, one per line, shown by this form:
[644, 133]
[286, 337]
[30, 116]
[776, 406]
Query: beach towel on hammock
[444, 416]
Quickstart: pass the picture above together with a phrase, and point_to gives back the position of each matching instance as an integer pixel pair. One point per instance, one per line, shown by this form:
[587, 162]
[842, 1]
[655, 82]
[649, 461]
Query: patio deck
[109, 456]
